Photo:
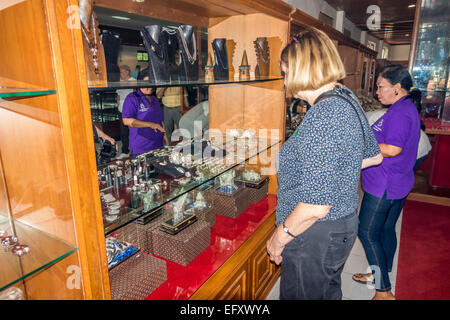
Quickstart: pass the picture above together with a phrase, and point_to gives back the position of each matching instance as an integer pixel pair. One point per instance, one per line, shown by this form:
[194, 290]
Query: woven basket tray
[230, 205]
[139, 235]
[137, 277]
[257, 191]
[183, 247]
[208, 215]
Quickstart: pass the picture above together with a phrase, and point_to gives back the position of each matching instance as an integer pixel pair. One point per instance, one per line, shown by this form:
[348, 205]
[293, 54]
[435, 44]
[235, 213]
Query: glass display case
[171, 208]
[49, 158]
[431, 65]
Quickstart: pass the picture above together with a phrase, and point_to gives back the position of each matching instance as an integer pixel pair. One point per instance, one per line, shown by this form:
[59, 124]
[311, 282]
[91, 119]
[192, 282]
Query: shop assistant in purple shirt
[400, 126]
[138, 106]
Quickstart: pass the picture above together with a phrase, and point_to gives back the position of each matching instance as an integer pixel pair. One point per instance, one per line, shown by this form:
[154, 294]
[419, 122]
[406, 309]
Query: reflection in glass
[432, 63]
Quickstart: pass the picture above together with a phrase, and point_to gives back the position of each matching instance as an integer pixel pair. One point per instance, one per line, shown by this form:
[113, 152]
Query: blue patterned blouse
[321, 162]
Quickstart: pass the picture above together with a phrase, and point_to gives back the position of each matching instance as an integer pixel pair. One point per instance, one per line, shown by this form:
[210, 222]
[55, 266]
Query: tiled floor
[356, 263]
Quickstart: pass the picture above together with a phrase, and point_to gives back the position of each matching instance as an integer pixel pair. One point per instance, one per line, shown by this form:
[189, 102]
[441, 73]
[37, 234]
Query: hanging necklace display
[262, 57]
[188, 68]
[221, 71]
[244, 68]
[111, 43]
[156, 41]
[209, 69]
[93, 48]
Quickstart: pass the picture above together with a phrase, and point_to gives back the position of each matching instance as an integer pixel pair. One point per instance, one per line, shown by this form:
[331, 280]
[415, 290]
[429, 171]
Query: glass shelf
[235, 158]
[200, 82]
[8, 92]
[45, 250]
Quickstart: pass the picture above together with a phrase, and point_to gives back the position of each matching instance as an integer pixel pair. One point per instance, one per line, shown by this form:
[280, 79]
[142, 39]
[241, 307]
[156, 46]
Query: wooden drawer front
[237, 287]
[264, 273]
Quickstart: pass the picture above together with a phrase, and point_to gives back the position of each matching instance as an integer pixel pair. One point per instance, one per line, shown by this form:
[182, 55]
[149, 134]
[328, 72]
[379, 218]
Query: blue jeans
[377, 219]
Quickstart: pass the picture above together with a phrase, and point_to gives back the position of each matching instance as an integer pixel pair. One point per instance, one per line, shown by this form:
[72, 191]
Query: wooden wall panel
[225, 107]
[61, 281]
[24, 34]
[349, 57]
[37, 184]
[237, 287]
[259, 105]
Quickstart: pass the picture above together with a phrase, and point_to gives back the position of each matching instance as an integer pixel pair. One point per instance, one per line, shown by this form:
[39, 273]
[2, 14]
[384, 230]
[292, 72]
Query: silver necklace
[191, 58]
[93, 46]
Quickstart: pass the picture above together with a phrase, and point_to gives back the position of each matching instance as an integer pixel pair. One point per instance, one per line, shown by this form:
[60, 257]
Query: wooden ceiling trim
[157, 9]
[198, 12]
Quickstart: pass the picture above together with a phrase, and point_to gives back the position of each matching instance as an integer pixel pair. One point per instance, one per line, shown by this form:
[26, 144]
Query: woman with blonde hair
[319, 169]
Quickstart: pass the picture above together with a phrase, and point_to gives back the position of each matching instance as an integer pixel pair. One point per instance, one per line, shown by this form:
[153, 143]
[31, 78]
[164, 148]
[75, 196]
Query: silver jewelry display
[93, 45]
[20, 250]
[191, 57]
[9, 240]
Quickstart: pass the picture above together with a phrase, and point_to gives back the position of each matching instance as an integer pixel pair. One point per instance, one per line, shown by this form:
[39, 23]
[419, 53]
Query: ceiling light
[138, 1]
[407, 35]
[120, 18]
[411, 6]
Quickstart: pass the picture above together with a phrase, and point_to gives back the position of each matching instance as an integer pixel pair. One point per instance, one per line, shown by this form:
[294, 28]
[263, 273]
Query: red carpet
[424, 253]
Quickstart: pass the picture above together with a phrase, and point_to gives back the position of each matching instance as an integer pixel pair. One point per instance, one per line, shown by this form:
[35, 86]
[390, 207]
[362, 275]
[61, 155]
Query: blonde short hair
[312, 61]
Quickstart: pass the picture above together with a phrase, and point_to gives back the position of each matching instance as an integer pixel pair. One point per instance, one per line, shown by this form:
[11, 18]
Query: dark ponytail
[416, 97]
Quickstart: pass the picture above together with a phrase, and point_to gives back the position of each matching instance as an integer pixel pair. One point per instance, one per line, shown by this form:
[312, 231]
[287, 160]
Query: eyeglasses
[293, 39]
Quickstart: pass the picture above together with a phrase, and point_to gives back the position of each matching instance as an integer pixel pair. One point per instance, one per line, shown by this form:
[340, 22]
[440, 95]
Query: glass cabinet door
[431, 66]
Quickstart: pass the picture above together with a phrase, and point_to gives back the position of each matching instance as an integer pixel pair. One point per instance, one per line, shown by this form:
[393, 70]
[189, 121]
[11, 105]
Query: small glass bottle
[134, 203]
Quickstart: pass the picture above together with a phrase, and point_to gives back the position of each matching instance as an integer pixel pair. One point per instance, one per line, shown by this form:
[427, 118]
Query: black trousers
[124, 136]
[313, 262]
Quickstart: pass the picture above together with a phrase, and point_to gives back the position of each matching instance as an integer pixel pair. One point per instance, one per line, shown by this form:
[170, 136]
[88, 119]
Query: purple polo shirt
[399, 126]
[137, 106]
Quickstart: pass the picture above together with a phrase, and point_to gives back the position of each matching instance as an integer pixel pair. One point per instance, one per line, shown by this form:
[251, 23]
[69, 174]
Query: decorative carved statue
[262, 57]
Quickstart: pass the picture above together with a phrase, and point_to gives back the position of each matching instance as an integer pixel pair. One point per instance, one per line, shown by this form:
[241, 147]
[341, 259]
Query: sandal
[367, 278]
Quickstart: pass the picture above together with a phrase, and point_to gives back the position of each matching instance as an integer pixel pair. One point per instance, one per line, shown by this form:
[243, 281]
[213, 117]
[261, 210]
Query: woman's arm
[166, 139]
[388, 150]
[374, 161]
[303, 217]
[135, 123]
[160, 92]
[104, 136]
